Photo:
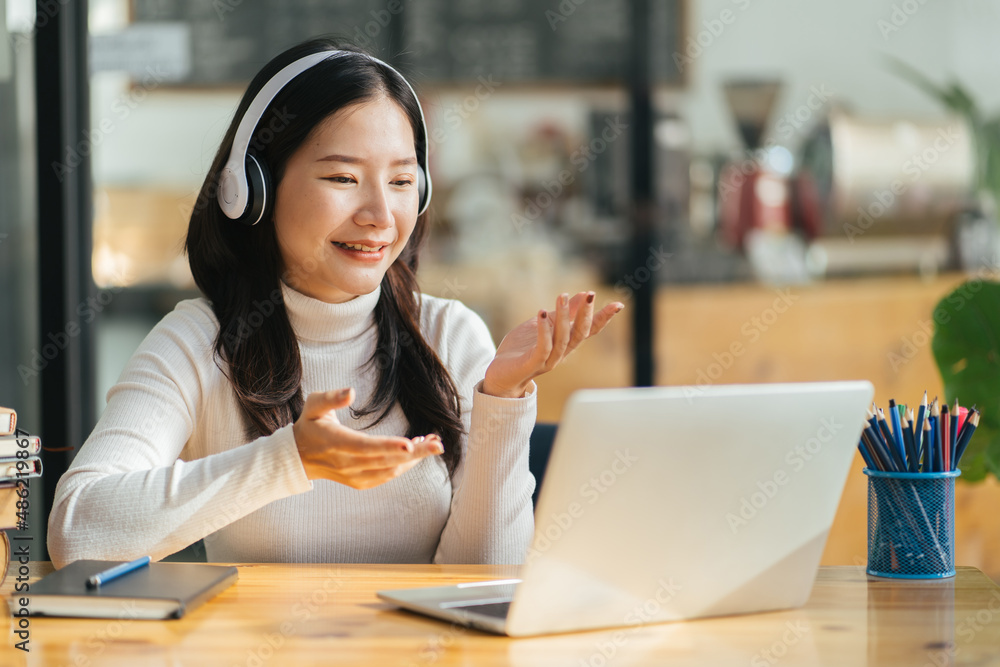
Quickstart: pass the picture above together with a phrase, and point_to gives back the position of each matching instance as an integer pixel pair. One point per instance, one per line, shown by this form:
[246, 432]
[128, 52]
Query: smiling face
[348, 201]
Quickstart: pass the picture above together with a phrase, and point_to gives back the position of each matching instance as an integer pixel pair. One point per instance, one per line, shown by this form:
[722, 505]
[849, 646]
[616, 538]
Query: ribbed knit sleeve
[129, 492]
[491, 519]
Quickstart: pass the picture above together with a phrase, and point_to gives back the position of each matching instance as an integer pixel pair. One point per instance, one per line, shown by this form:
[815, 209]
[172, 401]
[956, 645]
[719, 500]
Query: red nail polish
[590, 298]
[544, 315]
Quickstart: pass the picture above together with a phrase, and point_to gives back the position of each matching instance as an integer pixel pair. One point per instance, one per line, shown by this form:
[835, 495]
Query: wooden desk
[328, 614]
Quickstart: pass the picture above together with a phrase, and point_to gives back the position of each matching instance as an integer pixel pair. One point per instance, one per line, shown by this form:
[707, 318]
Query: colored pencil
[869, 461]
[930, 439]
[897, 428]
[928, 450]
[919, 429]
[876, 450]
[890, 440]
[963, 440]
[911, 455]
[886, 452]
[945, 438]
[953, 439]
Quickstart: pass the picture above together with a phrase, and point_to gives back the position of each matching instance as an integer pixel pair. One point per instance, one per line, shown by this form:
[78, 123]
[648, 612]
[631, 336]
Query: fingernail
[543, 314]
[564, 298]
[590, 297]
[343, 393]
[417, 440]
[438, 449]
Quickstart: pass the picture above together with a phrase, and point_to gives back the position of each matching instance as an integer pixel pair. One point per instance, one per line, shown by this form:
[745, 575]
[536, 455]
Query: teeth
[358, 246]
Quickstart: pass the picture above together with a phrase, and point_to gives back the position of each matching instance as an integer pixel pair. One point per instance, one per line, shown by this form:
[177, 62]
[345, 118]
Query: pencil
[945, 438]
[919, 430]
[928, 449]
[953, 439]
[875, 450]
[869, 461]
[889, 439]
[936, 434]
[955, 428]
[963, 440]
[886, 452]
[897, 428]
[911, 456]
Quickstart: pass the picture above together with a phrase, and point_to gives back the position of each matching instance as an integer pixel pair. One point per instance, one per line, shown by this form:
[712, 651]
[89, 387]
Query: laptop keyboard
[494, 609]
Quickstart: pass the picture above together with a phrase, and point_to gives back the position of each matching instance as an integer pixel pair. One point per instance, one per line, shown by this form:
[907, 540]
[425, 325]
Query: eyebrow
[356, 160]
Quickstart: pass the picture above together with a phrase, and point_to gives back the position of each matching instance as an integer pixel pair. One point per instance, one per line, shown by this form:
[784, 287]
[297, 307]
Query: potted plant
[966, 343]
[966, 348]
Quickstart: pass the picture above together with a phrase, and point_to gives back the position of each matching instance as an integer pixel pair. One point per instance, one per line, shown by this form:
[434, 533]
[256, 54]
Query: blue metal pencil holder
[911, 524]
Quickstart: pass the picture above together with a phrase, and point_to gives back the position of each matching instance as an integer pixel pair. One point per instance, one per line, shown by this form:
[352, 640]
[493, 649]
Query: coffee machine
[752, 194]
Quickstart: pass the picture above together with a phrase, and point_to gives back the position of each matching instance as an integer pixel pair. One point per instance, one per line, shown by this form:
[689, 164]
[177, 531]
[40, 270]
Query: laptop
[673, 503]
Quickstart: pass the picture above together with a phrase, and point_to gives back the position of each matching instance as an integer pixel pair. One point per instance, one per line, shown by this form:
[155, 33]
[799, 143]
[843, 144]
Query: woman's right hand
[330, 450]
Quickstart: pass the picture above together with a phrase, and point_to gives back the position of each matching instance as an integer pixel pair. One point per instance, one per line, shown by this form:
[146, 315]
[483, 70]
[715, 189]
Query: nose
[374, 207]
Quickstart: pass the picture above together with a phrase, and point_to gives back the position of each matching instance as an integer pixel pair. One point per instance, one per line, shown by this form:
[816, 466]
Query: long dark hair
[239, 268]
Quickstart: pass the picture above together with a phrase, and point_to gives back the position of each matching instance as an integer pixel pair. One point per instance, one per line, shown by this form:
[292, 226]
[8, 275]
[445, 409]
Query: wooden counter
[328, 614]
[878, 329]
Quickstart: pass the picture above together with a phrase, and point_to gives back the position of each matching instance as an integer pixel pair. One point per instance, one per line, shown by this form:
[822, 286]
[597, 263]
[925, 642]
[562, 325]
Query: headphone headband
[234, 189]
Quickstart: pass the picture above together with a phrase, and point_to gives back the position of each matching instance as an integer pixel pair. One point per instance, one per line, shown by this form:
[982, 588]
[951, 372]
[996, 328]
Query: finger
[543, 348]
[576, 302]
[318, 403]
[582, 323]
[392, 447]
[428, 446]
[602, 317]
[348, 441]
[560, 336]
[352, 465]
[359, 464]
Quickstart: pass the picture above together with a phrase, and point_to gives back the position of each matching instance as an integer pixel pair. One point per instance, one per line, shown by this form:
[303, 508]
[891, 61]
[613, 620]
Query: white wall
[840, 45]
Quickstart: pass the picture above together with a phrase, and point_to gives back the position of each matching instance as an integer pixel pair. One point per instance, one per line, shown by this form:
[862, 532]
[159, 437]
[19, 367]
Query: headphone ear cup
[421, 187]
[260, 191]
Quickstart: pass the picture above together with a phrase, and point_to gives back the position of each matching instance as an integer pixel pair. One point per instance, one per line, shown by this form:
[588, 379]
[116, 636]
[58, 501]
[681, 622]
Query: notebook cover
[157, 586]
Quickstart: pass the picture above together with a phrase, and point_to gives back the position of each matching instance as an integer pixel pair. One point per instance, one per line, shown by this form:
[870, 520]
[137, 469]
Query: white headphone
[244, 183]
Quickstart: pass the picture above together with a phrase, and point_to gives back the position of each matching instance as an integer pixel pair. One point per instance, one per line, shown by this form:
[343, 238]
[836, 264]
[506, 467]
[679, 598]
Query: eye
[339, 179]
[403, 182]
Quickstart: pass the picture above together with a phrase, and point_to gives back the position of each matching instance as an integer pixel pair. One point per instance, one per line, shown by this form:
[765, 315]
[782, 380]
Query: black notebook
[155, 591]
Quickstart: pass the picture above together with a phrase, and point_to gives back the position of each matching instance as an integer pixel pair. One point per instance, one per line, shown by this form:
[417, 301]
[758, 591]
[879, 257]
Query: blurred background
[779, 190]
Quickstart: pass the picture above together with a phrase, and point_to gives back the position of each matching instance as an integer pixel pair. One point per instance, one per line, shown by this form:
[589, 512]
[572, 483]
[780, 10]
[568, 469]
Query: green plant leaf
[917, 78]
[966, 347]
[990, 138]
[960, 100]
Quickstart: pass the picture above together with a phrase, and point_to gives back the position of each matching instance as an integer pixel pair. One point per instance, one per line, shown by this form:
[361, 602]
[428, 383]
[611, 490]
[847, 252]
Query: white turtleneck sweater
[168, 463]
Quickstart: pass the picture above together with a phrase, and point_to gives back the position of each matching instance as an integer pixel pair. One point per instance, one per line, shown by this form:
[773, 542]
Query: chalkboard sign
[577, 41]
[232, 39]
[434, 41]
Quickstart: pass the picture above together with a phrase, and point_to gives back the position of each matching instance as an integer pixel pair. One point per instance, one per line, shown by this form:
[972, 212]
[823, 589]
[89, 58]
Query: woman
[317, 407]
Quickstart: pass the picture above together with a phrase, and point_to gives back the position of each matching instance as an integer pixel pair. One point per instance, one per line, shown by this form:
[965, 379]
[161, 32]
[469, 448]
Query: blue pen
[113, 573]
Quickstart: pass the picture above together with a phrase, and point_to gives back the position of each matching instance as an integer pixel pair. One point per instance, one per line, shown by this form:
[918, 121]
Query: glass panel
[20, 359]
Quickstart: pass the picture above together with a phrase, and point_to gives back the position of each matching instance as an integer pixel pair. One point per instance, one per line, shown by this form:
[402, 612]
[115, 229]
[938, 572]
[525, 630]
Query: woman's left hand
[538, 345]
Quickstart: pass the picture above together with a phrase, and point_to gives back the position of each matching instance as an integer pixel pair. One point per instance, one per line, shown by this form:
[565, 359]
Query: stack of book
[19, 462]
